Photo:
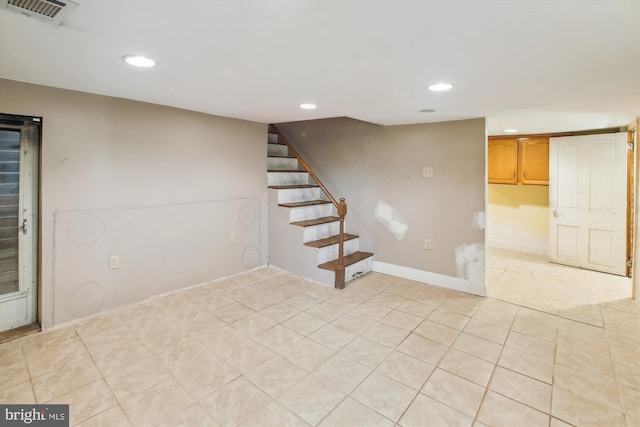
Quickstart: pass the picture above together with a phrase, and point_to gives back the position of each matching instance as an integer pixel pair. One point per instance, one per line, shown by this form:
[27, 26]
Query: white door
[587, 201]
[19, 143]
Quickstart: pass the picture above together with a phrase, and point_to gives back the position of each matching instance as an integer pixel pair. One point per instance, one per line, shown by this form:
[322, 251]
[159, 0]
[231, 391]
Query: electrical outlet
[114, 262]
[427, 244]
[232, 238]
[427, 172]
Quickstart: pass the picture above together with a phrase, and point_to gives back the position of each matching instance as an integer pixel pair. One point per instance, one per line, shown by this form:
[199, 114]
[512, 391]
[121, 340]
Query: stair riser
[282, 163]
[298, 195]
[358, 269]
[321, 231]
[272, 138]
[310, 212]
[329, 253]
[277, 150]
[288, 178]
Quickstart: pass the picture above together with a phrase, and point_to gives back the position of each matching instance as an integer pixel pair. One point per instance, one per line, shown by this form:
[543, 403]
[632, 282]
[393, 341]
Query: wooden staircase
[312, 208]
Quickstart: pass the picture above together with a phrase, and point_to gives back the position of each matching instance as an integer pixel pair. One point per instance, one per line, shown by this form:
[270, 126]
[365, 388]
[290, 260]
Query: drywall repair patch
[392, 219]
[478, 220]
[470, 262]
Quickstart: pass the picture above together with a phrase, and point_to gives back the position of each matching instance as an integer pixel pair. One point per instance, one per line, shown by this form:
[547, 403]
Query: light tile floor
[268, 349]
[532, 281]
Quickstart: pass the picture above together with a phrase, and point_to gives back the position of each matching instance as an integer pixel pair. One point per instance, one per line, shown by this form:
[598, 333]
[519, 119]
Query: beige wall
[518, 217]
[159, 186]
[366, 164]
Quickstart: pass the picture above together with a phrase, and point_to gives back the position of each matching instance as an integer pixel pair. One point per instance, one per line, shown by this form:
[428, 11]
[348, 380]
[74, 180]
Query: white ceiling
[538, 66]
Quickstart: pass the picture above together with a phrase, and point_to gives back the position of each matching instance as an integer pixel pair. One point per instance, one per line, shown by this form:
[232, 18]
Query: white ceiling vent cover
[52, 11]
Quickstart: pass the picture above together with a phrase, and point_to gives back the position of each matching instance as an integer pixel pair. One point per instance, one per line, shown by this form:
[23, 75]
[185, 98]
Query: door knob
[555, 213]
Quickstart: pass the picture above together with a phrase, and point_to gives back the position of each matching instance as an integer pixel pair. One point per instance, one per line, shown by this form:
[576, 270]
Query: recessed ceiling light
[308, 106]
[427, 110]
[139, 61]
[440, 87]
[511, 130]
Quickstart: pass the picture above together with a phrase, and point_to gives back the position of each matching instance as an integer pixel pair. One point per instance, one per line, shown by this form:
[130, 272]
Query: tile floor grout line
[495, 367]
[26, 364]
[435, 367]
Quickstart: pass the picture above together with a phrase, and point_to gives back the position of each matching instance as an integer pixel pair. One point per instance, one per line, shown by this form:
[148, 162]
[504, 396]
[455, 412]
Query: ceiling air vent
[52, 11]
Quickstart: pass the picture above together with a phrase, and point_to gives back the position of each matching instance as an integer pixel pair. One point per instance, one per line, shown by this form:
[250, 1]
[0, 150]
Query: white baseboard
[518, 247]
[430, 278]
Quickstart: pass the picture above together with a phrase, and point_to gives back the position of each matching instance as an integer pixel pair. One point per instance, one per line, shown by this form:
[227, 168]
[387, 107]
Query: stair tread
[316, 221]
[330, 241]
[348, 260]
[287, 170]
[275, 156]
[305, 203]
[285, 187]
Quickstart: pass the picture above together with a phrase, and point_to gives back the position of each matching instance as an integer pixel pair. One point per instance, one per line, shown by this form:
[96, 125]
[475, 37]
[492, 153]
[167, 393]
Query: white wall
[161, 187]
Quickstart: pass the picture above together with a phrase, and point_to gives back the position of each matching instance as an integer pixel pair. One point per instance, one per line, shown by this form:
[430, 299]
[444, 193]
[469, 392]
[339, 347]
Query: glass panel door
[9, 209]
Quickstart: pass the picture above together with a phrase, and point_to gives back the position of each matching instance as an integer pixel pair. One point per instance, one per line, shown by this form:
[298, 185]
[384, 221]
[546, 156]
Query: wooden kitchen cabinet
[534, 161]
[503, 161]
[521, 160]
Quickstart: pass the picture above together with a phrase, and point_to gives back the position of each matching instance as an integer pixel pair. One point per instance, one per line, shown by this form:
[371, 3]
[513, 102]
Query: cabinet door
[534, 165]
[503, 161]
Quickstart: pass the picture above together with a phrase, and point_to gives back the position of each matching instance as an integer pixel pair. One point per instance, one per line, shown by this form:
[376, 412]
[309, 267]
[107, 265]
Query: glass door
[19, 200]
[9, 209]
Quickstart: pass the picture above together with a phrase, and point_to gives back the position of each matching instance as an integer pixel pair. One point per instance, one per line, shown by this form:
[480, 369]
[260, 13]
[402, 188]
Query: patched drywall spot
[392, 219]
[470, 262]
[178, 256]
[86, 229]
[87, 299]
[478, 220]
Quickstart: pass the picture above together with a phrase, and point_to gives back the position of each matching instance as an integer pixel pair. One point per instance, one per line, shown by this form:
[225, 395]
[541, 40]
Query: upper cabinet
[534, 160]
[522, 160]
[503, 161]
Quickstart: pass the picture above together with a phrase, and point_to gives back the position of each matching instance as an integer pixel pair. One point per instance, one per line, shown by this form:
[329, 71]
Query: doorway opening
[518, 267]
[19, 220]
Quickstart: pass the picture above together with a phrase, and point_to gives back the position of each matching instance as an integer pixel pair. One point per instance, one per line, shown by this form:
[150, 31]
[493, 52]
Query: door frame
[631, 168]
[32, 126]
